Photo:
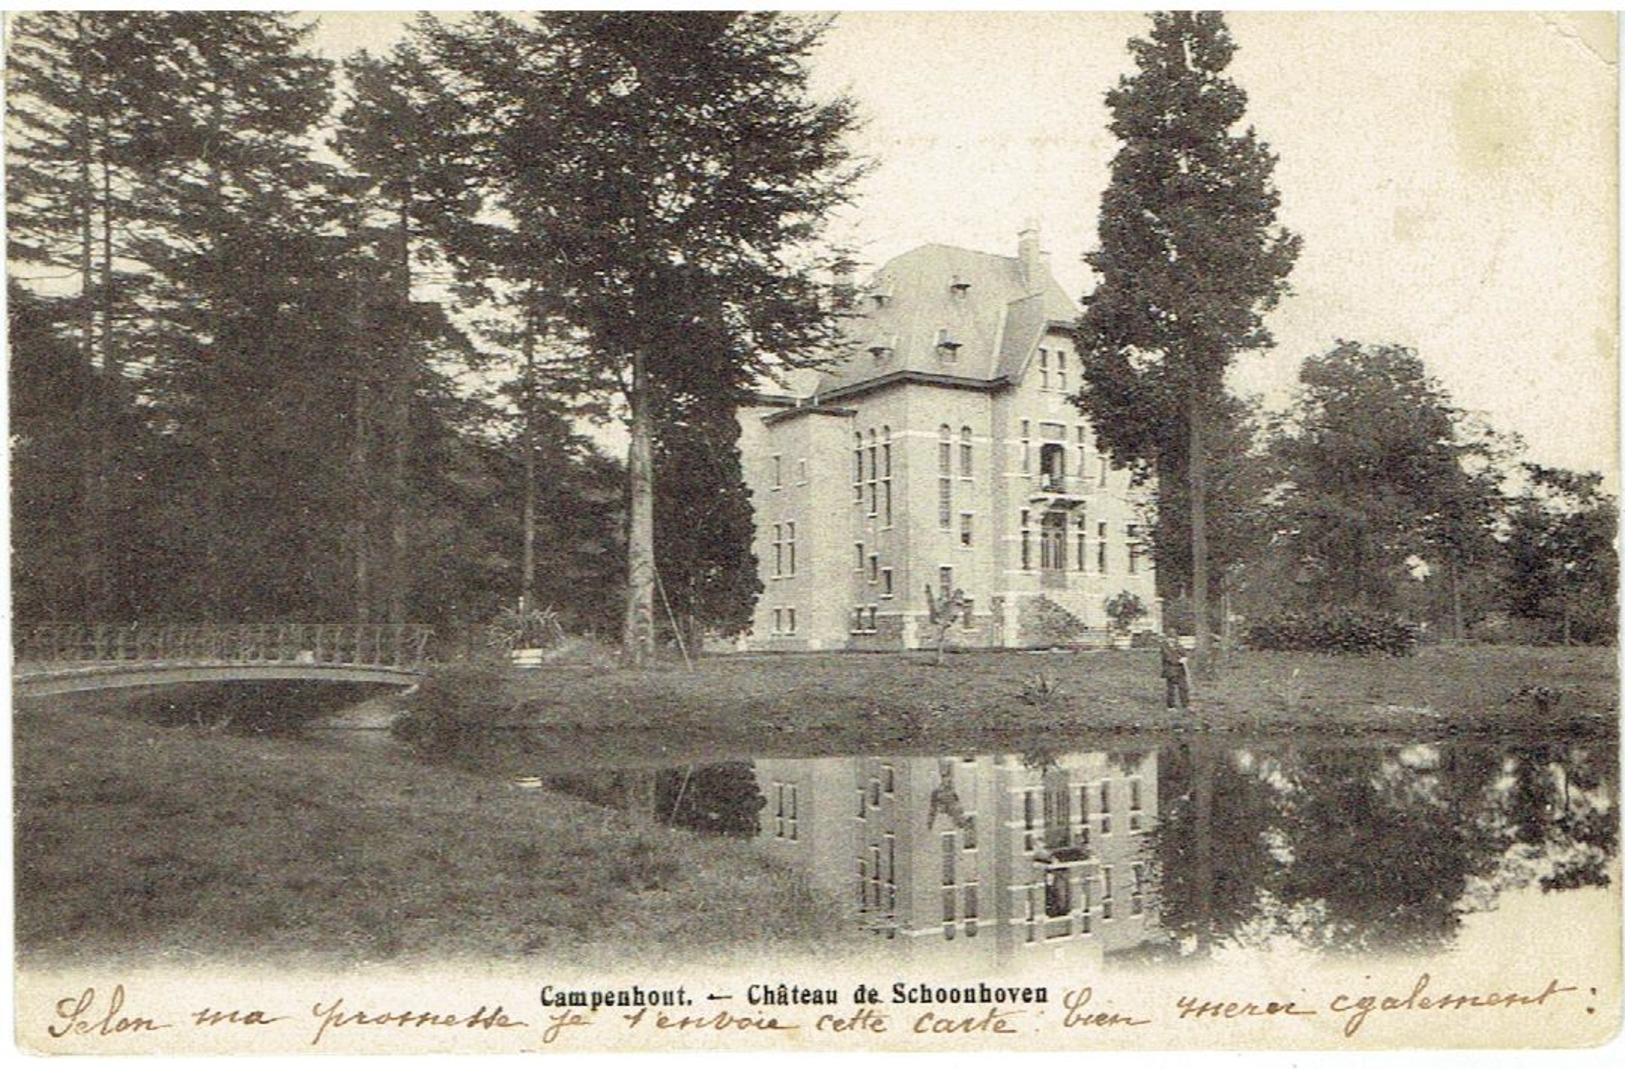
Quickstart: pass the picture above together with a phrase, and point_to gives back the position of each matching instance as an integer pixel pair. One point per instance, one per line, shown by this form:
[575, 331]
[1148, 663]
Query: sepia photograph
[608, 531]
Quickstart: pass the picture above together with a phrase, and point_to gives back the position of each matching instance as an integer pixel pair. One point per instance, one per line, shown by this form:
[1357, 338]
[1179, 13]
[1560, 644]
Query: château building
[942, 451]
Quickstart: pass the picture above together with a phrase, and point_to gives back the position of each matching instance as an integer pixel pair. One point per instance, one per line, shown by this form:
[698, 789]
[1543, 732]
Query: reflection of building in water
[978, 856]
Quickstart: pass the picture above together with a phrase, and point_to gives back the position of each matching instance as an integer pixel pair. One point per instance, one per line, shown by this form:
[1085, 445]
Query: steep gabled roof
[942, 311]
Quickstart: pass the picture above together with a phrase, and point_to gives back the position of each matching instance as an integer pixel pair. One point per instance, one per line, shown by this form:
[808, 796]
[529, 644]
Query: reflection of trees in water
[717, 799]
[1371, 849]
[720, 799]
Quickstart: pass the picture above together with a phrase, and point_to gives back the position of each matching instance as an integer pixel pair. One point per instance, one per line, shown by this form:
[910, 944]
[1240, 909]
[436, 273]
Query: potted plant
[526, 633]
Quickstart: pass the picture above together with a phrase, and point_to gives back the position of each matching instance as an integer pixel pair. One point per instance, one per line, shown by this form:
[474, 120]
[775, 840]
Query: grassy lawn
[173, 845]
[862, 699]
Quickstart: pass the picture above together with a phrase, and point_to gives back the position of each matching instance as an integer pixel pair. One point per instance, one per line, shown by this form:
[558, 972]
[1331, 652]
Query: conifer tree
[666, 174]
[1190, 257]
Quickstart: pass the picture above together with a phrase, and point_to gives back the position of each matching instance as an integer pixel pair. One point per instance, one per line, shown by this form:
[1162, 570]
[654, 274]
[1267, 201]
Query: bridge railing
[372, 645]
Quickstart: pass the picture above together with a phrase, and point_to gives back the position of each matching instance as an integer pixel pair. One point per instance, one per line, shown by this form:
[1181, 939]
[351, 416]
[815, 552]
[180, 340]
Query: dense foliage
[1335, 630]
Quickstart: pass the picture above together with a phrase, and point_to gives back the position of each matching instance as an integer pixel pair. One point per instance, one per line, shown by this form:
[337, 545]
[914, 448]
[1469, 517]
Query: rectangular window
[972, 910]
[790, 621]
[1083, 544]
[950, 854]
[964, 528]
[778, 471]
[778, 550]
[965, 452]
[945, 503]
[885, 501]
[968, 619]
[790, 548]
[874, 567]
[861, 558]
[778, 621]
[1106, 892]
[1133, 548]
[1060, 371]
[1100, 549]
[1083, 451]
[1103, 466]
[1105, 808]
[888, 779]
[1026, 541]
[945, 581]
[885, 583]
[1026, 447]
[1043, 369]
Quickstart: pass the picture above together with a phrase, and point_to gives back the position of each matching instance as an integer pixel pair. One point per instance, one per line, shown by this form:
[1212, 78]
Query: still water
[1185, 850]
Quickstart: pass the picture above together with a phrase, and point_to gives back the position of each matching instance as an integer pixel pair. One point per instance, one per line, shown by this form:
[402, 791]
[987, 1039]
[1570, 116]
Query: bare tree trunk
[360, 460]
[92, 563]
[638, 631]
[111, 402]
[402, 388]
[527, 572]
[1198, 491]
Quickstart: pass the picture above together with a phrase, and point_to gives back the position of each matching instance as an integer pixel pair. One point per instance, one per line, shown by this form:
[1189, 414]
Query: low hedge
[1335, 630]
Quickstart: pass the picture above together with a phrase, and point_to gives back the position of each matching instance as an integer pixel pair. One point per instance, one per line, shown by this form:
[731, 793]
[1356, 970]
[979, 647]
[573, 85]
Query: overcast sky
[1453, 177]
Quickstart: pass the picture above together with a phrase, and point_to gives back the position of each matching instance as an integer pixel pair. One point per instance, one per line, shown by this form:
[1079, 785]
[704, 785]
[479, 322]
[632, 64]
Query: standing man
[1175, 671]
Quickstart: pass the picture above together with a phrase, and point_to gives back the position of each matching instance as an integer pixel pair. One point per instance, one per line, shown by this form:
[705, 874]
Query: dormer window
[960, 286]
[947, 345]
[881, 293]
[882, 348]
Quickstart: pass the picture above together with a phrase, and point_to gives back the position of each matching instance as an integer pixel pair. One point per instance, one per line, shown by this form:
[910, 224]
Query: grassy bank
[887, 698]
[172, 845]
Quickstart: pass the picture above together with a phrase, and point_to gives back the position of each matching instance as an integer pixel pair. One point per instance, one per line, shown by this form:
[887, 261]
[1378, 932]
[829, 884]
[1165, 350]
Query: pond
[1181, 850]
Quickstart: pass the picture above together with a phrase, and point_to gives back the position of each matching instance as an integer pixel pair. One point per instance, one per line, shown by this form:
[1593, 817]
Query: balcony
[1062, 491]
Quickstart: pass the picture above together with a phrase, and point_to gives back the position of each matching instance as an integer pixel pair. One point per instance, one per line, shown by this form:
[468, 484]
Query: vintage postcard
[616, 532]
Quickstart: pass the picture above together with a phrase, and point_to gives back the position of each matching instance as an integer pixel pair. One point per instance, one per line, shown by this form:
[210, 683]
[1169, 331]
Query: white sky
[1454, 178]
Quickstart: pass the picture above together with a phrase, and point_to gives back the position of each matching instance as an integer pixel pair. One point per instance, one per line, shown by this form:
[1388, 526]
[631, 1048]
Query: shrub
[451, 702]
[1124, 608]
[1335, 630]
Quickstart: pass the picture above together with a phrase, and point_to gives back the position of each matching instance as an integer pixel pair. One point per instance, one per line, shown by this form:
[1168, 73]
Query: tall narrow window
[1043, 369]
[857, 469]
[790, 548]
[778, 550]
[945, 483]
[945, 581]
[1083, 452]
[885, 476]
[861, 558]
[1100, 549]
[885, 582]
[964, 528]
[778, 471]
[1133, 548]
[874, 567]
[1083, 543]
[874, 474]
[1026, 541]
[964, 453]
[1060, 370]
[1026, 447]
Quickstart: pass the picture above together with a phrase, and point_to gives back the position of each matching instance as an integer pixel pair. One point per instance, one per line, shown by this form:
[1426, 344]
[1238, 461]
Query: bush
[451, 702]
[1335, 630]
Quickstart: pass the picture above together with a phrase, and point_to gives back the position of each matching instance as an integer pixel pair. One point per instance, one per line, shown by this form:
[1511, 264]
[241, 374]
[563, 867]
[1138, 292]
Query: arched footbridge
[64, 658]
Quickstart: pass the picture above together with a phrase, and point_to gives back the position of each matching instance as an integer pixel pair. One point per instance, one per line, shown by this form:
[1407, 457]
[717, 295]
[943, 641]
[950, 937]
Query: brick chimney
[1034, 261]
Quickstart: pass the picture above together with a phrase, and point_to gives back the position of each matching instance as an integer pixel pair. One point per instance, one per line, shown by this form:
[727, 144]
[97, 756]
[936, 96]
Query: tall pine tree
[670, 172]
[1190, 258]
